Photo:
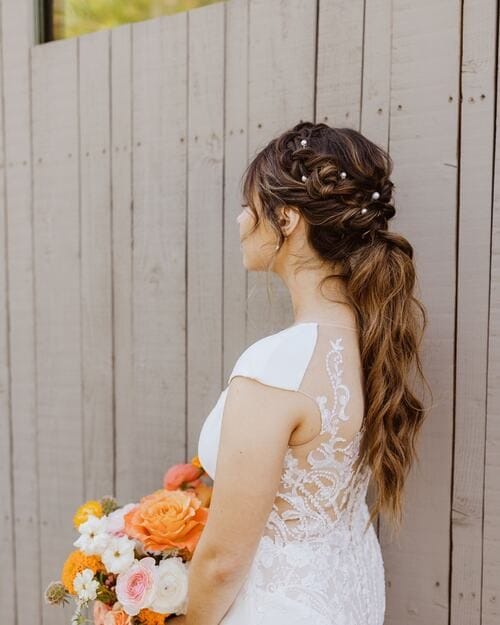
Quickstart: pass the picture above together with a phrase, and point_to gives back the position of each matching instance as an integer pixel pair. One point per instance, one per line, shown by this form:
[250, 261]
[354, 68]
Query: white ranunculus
[119, 554]
[85, 585]
[171, 587]
[94, 537]
[115, 524]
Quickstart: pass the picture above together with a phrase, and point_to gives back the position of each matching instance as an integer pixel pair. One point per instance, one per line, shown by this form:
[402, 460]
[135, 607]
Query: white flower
[119, 554]
[94, 538]
[85, 585]
[171, 587]
[115, 524]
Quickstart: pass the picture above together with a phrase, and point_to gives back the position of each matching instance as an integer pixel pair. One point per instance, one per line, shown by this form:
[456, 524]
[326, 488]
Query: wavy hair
[379, 272]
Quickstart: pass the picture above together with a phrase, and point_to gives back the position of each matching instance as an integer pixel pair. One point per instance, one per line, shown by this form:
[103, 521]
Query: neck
[309, 303]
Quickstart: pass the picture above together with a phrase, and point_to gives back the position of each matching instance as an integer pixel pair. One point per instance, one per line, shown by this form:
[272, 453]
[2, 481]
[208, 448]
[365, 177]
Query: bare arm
[257, 424]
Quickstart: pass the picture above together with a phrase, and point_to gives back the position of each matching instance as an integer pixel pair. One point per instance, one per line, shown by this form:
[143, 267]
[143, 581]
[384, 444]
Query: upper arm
[258, 420]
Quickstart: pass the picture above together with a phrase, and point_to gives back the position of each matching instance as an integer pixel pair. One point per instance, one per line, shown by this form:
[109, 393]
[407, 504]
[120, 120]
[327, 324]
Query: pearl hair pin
[375, 196]
[343, 176]
[303, 143]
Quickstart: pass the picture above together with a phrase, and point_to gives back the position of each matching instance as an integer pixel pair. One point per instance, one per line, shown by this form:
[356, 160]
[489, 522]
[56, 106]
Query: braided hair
[340, 183]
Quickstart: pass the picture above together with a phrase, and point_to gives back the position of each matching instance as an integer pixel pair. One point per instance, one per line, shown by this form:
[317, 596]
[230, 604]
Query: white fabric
[315, 563]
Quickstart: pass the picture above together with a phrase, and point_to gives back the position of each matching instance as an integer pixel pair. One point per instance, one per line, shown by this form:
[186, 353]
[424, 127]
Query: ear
[288, 218]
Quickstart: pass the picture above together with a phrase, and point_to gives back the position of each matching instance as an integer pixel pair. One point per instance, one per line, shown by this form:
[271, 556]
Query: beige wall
[123, 299]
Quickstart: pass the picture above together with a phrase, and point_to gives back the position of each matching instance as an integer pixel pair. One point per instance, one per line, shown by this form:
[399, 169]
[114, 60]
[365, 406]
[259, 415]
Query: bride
[314, 411]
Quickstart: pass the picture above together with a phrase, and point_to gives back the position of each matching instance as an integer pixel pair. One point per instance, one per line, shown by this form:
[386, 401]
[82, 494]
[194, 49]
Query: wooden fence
[124, 302]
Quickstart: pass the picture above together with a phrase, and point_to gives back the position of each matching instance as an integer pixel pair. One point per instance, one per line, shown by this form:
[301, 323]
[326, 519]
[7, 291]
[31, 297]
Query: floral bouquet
[132, 561]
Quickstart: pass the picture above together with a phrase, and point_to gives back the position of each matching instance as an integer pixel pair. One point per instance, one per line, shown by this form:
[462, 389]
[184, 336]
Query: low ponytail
[340, 182]
[380, 284]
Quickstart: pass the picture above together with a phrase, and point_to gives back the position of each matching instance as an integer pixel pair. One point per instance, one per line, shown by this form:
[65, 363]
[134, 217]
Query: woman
[312, 412]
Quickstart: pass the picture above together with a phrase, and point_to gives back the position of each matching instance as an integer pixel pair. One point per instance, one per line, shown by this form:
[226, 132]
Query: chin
[254, 265]
[246, 264]
[253, 261]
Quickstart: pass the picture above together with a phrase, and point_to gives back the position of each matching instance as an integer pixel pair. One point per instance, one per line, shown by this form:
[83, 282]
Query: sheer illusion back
[319, 483]
[319, 559]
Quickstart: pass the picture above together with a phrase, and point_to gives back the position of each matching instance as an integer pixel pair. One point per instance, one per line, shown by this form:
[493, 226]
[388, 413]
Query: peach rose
[181, 476]
[100, 611]
[167, 519]
[117, 616]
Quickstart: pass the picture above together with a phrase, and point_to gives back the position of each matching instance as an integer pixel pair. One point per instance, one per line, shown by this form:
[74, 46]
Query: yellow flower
[196, 461]
[77, 562]
[148, 617]
[89, 507]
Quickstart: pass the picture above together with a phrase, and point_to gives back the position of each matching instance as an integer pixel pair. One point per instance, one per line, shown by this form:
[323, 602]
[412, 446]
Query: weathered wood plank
[476, 155]
[121, 199]
[422, 143]
[96, 289]
[340, 62]
[204, 215]
[57, 286]
[490, 610]
[17, 37]
[159, 233]
[235, 161]
[7, 536]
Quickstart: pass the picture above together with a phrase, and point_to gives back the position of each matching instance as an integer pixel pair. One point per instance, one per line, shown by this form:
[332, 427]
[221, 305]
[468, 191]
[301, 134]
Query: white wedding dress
[315, 563]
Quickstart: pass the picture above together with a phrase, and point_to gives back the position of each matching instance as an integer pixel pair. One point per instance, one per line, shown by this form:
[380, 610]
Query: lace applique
[314, 559]
[318, 494]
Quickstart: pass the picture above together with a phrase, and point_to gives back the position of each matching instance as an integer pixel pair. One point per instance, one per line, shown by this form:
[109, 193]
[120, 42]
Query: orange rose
[167, 519]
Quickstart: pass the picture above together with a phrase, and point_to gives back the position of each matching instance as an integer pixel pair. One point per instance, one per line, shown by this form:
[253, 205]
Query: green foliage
[77, 17]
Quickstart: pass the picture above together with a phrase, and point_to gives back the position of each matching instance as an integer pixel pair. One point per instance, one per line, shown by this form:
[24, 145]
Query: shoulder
[279, 359]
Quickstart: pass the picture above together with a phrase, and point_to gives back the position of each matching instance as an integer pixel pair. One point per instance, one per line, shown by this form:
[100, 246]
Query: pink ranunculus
[180, 474]
[115, 524]
[100, 611]
[135, 588]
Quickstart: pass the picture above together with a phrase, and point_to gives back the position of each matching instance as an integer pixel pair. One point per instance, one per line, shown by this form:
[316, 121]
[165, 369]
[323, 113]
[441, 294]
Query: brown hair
[379, 275]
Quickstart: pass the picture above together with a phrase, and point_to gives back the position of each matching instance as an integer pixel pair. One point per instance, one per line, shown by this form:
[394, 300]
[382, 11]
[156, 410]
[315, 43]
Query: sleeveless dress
[318, 562]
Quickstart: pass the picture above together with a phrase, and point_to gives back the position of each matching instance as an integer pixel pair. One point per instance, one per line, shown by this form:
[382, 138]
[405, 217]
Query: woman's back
[314, 560]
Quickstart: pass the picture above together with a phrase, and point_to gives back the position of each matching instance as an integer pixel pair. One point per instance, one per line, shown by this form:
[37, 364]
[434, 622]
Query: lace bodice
[317, 549]
[322, 487]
